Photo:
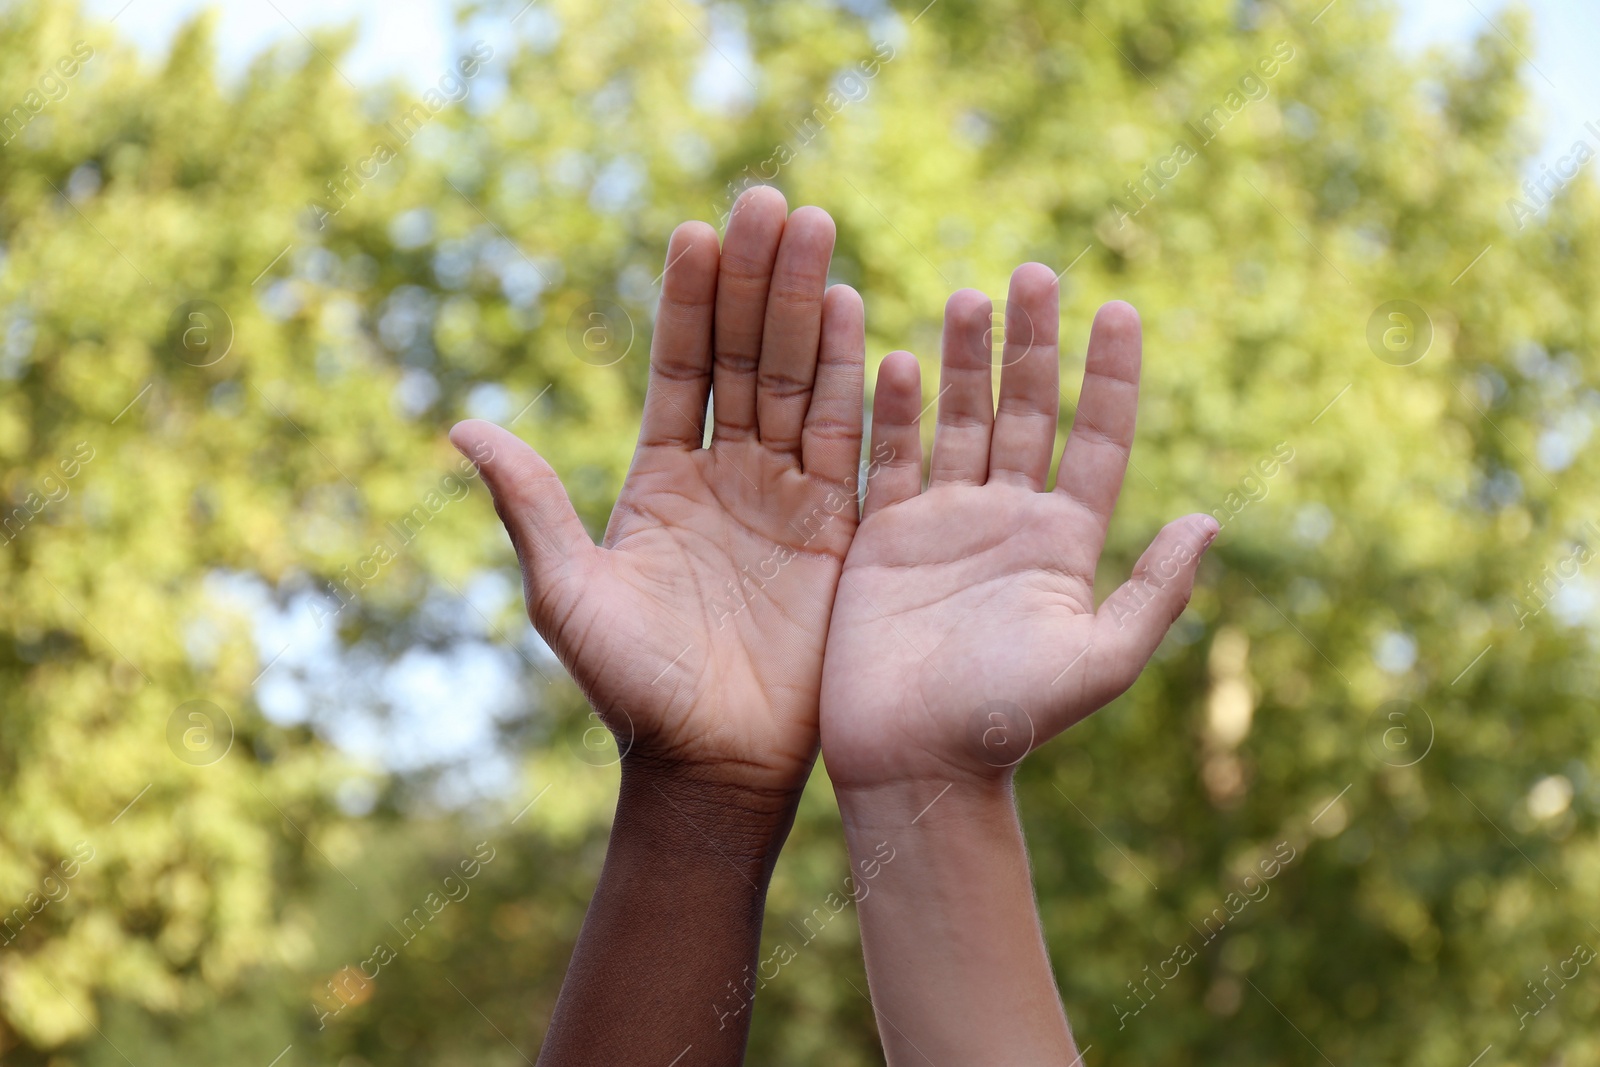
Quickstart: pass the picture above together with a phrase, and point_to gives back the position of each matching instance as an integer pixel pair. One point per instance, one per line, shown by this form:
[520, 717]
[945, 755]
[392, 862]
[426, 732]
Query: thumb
[1134, 618]
[531, 503]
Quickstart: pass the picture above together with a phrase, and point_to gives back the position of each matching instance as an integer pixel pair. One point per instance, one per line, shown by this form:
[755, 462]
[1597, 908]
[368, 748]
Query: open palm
[965, 631]
[696, 629]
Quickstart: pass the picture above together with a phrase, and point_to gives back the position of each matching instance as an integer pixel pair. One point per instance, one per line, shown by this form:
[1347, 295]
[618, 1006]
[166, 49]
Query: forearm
[673, 928]
[950, 929]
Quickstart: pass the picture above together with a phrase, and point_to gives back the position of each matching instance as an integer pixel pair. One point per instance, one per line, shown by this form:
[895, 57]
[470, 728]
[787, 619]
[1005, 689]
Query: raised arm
[696, 629]
[966, 633]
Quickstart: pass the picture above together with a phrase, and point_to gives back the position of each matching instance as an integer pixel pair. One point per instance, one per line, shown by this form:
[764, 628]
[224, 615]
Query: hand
[696, 628]
[965, 631]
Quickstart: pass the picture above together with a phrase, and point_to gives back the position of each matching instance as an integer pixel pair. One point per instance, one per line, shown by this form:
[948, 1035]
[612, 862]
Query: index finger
[1096, 454]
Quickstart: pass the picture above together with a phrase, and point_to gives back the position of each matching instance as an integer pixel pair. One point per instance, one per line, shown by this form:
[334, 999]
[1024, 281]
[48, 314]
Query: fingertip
[969, 325]
[467, 432]
[1118, 316]
[1033, 281]
[693, 254]
[843, 300]
[897, 398]
[964, 303]
[900, 373]
[808, 239]
[693, 234]
[476, 440]
[692, 229]
[760, 201]
[810, 218]
[896, 472]
[1191, 534]
[692, 249]
[1116, 347]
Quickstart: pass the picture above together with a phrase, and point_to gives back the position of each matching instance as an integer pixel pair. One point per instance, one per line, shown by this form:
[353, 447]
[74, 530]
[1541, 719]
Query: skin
[964, 634]
[696, 628]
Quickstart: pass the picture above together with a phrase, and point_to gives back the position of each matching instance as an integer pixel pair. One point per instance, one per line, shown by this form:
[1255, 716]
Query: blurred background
[265, 676]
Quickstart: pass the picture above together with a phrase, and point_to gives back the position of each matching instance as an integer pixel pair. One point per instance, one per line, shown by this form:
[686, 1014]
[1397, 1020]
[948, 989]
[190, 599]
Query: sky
[1565, 79]
[412, 39]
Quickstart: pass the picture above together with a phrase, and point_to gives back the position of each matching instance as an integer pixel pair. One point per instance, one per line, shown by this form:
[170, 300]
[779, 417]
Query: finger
[894, 466]
[1136, 616]
[1025, 421]
[966, 397]
[680, 350]
[1096, 455]
[743, 278]
[831, 442]
[551, 543]
[793, 329]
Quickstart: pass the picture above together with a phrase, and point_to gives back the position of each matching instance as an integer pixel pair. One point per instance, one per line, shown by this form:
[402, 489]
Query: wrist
[949, 924]
[674, 925]
[929, 806]
[690, 814]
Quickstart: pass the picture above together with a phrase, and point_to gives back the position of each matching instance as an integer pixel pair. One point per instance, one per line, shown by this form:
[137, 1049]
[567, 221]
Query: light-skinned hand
[965, 631]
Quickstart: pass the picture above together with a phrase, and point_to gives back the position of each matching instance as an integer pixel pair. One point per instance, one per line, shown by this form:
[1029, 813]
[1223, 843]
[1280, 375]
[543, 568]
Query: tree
[1271, 185]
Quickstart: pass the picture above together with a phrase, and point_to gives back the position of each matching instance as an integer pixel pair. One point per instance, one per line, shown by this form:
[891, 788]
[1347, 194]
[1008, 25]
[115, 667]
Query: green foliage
[1372, 566]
